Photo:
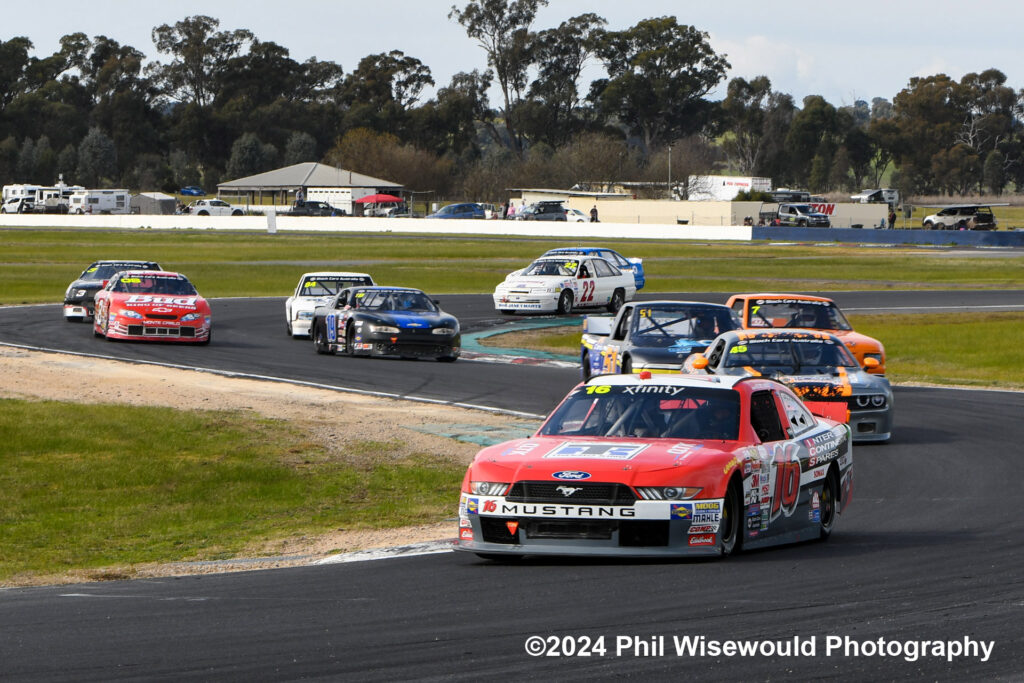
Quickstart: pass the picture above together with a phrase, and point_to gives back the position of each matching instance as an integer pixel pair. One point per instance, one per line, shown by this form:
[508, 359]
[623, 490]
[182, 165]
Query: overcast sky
[860, 50]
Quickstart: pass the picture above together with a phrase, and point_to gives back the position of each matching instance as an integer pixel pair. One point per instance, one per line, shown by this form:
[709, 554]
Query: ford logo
[571, 475]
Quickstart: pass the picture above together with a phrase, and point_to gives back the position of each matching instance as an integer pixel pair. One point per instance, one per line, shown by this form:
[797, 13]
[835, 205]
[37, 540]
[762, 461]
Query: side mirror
[436, 302]
[104, 285]
[699, 362]
[871, 363]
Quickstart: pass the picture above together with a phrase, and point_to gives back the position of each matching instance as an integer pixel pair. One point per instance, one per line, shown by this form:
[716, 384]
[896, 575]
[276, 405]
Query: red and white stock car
[660, 465]
[147, 305]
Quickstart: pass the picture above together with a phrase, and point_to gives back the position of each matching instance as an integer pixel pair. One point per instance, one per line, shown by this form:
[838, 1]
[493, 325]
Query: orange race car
[758, 311]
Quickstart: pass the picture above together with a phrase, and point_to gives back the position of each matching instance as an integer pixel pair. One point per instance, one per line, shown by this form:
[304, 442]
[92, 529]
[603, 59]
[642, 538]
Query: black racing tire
[829, 503]
[627, 366]
[320, 340]
[236, 212]
[615, 303]
[96, 332]
[209, 338]
[732, 519]
[565, 301]
[350, 341]
[585, 366]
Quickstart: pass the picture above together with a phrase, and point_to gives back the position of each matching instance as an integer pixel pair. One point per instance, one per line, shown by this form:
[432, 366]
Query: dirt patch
[331, 418]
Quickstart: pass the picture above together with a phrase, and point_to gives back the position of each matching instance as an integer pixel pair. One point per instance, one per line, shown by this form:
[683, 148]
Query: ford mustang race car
[811, 313]
[147, 305]
[78, 299]
[316, 289]
[385, 321]
[815, 365]
[632, 265]
[660, 465]
[650, 335]
[557, 284]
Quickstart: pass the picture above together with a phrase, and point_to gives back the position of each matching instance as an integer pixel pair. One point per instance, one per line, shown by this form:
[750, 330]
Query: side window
[603, 269]
[764, 417]
[623, 327]
[342, 300]
[737, 308]
[799, 417]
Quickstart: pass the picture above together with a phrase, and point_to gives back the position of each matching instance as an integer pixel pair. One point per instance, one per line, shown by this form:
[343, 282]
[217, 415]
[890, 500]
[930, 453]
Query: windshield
[393, 300]
[105, 271]
[795, 355]
[663, 325]
[143, 283]
[806, 314]
[654, 411]
[329, 286]
[566, 268]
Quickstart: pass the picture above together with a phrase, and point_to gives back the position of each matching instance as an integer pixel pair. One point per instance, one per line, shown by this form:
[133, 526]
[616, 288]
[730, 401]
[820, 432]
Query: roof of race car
[781, 334]
[120, 260]
[386, 288]
[581, 250]
[680, 380]
[337, 274]
[805, 297]
[561, 257]
[152, 273]
[675, 302]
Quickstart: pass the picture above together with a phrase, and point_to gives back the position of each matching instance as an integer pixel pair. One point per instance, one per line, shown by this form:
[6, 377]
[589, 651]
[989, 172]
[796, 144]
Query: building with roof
[282, 184]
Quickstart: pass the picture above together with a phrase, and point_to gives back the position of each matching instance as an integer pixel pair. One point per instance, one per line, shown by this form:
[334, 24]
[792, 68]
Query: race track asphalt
[929, 550]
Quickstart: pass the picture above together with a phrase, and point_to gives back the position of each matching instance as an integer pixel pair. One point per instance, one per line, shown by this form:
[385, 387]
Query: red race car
[147, 305]
[662, 465]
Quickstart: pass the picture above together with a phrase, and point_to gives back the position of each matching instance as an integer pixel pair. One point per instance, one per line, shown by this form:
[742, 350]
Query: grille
[585, 493]
[643, 533]
[570, 529]
[495, 531]
[161, 316]
[161, 332]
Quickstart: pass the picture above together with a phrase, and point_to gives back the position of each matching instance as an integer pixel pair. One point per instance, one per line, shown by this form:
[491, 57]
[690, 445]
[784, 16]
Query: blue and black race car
[385, 321]
[651, 335]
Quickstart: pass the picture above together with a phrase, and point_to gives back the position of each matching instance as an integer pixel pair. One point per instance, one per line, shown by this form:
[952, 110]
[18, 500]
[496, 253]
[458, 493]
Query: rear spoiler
[833, 410]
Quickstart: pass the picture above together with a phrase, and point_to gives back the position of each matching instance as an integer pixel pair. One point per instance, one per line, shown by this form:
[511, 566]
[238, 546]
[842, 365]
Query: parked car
[213, 207]
[79, 298]
[802, 216]
[17, 205]
[192, 191]
[464, 210]
[544, 211]
[961, 217]
[314, 208]
[316, 289]
[576, 216]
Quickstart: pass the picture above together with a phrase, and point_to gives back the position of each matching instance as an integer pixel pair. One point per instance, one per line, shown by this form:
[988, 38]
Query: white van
[100, 201]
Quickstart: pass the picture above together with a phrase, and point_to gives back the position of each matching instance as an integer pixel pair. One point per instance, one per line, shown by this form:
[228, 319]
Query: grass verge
[970, 349]
[88, 486]
[39, 264]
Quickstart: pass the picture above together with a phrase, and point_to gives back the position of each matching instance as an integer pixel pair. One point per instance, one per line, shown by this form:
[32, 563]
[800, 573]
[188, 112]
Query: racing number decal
[787, 481]
[588, 291]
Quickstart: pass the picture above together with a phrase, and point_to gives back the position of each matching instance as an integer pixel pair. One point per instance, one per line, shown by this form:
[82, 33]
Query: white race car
[315, 289]
[561, 283]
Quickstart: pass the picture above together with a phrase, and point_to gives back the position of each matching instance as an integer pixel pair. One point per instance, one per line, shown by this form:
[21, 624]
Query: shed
[281, 184]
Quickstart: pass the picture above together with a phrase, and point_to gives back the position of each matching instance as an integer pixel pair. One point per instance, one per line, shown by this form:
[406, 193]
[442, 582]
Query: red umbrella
[378, 198]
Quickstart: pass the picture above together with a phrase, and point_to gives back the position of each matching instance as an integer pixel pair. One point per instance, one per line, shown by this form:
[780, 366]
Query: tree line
[221, 104]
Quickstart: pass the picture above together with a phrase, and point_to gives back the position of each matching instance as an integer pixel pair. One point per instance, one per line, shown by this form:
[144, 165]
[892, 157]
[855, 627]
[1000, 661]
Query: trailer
[100, 202]
[724, 188]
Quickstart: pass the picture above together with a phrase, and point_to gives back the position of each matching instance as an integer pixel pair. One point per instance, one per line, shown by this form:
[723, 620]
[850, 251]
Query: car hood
[629, 461]
[818, 387]
[188, 302]
[411, 320]
[86, 284]
[533, 281]
[852, 338]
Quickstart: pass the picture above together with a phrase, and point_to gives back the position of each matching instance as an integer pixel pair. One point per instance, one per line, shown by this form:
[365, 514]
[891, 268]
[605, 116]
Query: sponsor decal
[472, 506]
[571, 475]
[512, 526]
[171, 300]
[464, 522]
[566, 510]
[698, 512]
[683, 448]
[747, 469]
[597, 451]
[653, 389]
[521, 448]
[729, 465]
[704, 529]
[815, 512]
[465, 534]
[490, 506]
[680, 512]
[701, 539]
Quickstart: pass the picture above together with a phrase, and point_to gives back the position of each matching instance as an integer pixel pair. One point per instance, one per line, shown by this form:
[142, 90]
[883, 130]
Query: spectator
[892, 219]
[511, 211]
[593, 214]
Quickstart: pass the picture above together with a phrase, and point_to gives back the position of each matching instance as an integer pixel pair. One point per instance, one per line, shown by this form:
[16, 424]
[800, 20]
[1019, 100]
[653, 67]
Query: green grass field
[39, 264]
[90, 486]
